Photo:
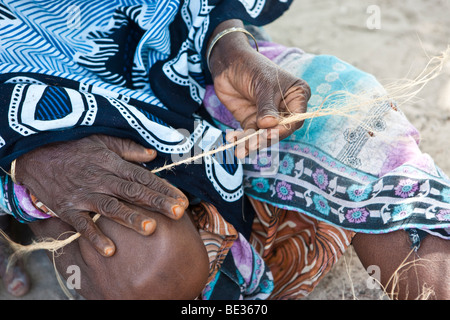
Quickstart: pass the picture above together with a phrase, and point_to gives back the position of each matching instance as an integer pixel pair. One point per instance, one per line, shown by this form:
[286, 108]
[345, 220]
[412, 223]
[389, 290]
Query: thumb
[266, 94]
[128, 149]
[268, 114]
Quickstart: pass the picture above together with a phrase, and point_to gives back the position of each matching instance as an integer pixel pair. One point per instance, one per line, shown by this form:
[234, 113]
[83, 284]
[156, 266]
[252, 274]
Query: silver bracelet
[13, 171]
[223, 33]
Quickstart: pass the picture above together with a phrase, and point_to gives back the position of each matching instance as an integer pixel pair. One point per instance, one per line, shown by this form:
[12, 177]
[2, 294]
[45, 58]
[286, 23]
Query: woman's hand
[96, 175]
[256, 91]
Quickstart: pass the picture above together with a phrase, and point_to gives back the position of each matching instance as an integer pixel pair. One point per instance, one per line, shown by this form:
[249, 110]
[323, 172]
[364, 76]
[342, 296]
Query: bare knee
[170, 264]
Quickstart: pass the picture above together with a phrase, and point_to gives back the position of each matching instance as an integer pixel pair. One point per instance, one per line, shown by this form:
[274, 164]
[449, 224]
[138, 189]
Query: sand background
[411, 31]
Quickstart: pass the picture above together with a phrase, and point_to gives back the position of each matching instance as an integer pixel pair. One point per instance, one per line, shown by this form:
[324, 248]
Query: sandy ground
[411, 31]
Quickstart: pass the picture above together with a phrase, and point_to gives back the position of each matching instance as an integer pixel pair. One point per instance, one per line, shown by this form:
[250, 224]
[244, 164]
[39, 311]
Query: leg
[169, 264]
[428, 268]
[15, 279]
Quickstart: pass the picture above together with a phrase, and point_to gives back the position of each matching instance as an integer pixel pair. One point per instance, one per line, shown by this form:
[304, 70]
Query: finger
[233, 135]
[281, 132]
[115, 210]
[268, 114]
[295, 100]
[247, 141]
[294, 103]
[143, 176]
[289, 97]
[154, 199]
[128, 149]
[268, 121]
[83, 223]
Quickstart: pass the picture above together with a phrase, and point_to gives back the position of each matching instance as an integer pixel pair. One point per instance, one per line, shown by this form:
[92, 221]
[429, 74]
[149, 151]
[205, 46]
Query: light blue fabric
[362, 171]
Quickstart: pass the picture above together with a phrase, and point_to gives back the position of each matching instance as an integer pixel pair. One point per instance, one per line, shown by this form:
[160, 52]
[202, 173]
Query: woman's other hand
[97, 175]
[256, 91]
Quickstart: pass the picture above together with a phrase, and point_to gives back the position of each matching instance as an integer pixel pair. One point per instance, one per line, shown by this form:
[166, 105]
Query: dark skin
[170, 264]
[96, 174]
[256, 91]
[429, 268]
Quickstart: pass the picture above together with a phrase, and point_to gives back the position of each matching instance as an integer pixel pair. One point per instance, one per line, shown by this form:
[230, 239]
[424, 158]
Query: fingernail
[182, 201]
[148, 226]
[274, 117]
[109, 251]
[177, 211]
[150, 152]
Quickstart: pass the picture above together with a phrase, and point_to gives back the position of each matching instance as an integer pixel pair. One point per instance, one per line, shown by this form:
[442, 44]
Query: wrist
[227, 43]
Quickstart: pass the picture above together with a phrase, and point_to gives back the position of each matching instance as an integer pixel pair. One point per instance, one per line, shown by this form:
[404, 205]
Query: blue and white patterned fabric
[128, 68]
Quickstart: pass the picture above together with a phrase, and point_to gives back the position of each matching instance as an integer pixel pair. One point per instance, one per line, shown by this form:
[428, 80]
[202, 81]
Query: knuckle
[128, 217]
[130, 190]
[152, 182]
[89, 171]
[164, 189]
[101, 183]
[107, 156]
[92, 177]
[112, 208]
[81, 224]
[108, 205]
[92, 235]
[142, 176]
[305, 88]
[157, 201]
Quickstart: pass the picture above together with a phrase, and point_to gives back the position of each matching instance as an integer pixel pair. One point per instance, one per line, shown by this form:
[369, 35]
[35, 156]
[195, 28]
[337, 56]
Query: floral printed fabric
[366, 175]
